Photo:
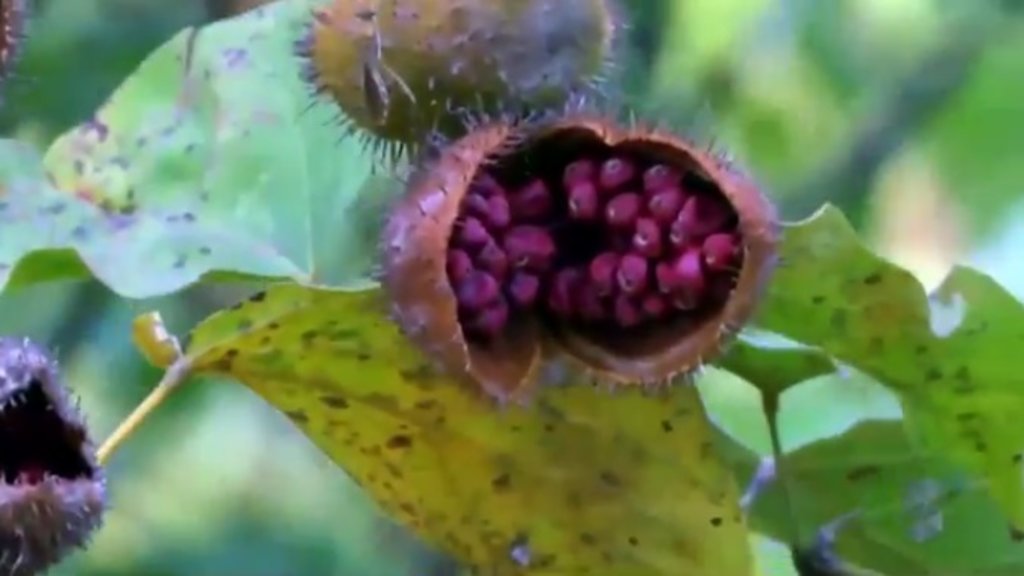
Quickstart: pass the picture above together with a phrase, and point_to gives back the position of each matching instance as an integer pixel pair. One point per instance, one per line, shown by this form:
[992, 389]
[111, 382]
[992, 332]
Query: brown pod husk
[416, 238]
[633, 251]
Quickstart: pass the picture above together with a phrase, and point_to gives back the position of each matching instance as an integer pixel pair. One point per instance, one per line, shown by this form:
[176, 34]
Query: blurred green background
[909, 114]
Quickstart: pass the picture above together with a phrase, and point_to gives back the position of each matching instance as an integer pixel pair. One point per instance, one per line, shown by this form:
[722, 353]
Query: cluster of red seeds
[610, 242]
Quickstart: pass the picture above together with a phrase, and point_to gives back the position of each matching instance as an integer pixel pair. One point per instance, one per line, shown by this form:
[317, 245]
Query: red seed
[647, 238]
[627, 313]
[578, 172]
[591, 307]
[486, 186]
[701, 215]
[523, 289]
[623, 210]
[493, 260]
[529, 247]
[490, 321]
[664, 206]
[681, 270]
[658, 177]
[475, 204]
[531, 202]
[615, 172]
[584, 203]
[477, 290]
[602, 271]
[631, 275]
[685, 279]
[654, 306]
[562, 295]
[459, 265]
[499, 213]
[721, 251]
[472, 234]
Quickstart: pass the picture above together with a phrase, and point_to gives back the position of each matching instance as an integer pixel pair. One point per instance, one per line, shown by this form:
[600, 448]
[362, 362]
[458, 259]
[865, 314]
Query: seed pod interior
[662, 249]
[52, 491]
[634, 252]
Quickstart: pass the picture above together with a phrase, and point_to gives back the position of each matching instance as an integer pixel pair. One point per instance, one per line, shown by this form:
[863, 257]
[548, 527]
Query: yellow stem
[173, 377]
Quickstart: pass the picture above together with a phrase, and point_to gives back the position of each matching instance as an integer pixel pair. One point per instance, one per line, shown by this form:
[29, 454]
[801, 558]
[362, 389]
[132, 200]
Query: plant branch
[171, 381]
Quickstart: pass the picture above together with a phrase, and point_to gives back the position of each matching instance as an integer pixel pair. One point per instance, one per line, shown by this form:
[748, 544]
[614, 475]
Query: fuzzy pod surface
[404, 71]
[630, 250]
[52, 490]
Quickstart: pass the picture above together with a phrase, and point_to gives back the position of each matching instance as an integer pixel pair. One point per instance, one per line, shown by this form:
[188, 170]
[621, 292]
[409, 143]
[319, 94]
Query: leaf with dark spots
[891, 507]
[202, 164]
[946, 354]
[507, 489]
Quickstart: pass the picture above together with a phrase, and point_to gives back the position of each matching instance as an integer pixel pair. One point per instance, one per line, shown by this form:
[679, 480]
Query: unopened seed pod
[403, 71]
[52, 490]
[598, 291]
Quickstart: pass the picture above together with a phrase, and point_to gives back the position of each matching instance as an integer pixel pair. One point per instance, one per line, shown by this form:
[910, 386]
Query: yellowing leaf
[581, 481]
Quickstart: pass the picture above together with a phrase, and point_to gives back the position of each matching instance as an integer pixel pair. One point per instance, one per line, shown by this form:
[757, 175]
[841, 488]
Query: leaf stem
[175, 374]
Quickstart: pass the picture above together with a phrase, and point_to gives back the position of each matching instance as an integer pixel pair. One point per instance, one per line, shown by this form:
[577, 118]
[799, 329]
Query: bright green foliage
[579, 481]
[194, 166]
[951, 357]
[910, 512]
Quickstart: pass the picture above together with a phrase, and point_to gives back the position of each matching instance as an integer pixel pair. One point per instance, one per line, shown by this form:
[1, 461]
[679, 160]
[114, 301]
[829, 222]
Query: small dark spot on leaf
[667, 426]
[1016, 534]
[231, 353]
[873, 279]
[298, 416]
[1017, 458]
[399, 441]
[610, 479]
[258, 297]
[862, 472]
[933, 374]
[501, 482]
[633, 541]
[818, 300]
[716, 521]
[54, 209]
[425, 404]
[336, 402]
[588, 538]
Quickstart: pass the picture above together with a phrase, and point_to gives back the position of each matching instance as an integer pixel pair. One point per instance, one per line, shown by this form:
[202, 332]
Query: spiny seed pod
[52, 491]
[663, 266]
[13, 15]
[406, 70]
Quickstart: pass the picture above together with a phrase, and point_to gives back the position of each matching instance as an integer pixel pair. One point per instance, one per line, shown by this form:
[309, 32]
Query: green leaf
[773, 362]
[578, 481]
[950, 358]
[910, 512]
[209, 158]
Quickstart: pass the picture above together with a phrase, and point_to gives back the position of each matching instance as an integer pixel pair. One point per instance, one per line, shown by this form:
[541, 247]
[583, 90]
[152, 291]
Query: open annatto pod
[633, 251]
